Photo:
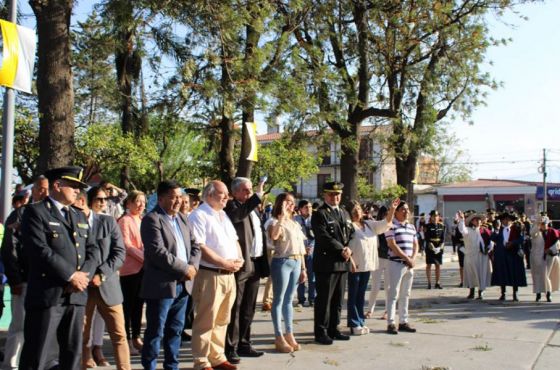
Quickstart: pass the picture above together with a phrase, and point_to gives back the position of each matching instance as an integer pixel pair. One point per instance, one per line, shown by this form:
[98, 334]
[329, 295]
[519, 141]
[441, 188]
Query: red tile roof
[489, 183]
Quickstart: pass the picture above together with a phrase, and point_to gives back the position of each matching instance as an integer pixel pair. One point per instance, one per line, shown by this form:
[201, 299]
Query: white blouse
[364, 244]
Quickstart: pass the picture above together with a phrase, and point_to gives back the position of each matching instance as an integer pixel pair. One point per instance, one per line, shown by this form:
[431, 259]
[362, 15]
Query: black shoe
[250, 352]
[233, 357]
[185, 337]
[323, 339]
[471, 294]
[429, 286]
[502, 297]
[460, 285]
[407, 328]
[538, 297]
[392, 329]
[515, 299]
[339, 336]
[548, 299]
[438, 286]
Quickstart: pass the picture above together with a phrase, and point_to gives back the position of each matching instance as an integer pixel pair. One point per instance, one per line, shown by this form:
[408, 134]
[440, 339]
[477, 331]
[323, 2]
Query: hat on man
[72, 174]
[333, 187]
[192, 191]
[509, 215]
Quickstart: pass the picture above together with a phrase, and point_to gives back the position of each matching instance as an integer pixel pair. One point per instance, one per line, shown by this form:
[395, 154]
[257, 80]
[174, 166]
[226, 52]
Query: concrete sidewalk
[453, 333]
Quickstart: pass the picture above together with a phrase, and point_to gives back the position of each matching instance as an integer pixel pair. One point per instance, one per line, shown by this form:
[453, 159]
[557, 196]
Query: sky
[522, 117]
[507, 138]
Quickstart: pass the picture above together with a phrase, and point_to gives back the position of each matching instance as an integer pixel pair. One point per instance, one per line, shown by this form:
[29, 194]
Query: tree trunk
[349, 169]
[227, 171]
[245, 166]
[406, 173]
[54, 83]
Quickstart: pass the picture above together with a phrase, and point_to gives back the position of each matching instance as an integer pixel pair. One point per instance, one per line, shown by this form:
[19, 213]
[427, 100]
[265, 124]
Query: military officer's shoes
[407, 328]
[339, 336]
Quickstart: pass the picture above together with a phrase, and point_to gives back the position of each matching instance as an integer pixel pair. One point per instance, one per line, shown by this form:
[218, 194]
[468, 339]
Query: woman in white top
[286, 269]
[364, 259]
[477, 268]
[545, 266]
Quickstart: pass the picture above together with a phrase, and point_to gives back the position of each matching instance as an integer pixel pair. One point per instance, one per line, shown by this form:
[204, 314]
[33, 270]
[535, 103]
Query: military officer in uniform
[331, 262]
[434, 232]
[62, 259]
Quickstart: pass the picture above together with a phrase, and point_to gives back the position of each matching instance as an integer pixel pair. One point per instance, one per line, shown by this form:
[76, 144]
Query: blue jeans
[285, 275]
[357, 286]
[310, 282]
[165, 319]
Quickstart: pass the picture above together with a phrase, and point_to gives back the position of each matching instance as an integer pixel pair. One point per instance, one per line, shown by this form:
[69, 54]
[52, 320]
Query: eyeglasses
[101, 199]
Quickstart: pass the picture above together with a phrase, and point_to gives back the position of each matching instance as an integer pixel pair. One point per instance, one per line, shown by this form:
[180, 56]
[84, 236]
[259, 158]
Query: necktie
[67, 217]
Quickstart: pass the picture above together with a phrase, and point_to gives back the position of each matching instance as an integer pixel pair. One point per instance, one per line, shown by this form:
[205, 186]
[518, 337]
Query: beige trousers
[213, 296]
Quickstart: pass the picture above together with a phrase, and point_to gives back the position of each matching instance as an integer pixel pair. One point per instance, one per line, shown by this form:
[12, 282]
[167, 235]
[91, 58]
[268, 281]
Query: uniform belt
[218, 271]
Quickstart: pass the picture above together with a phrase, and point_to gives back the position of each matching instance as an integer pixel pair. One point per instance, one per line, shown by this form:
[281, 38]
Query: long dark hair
[92, 194]
[277, 208]
[381, 213]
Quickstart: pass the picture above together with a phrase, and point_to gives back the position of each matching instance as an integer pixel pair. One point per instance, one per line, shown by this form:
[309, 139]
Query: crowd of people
[81, 261]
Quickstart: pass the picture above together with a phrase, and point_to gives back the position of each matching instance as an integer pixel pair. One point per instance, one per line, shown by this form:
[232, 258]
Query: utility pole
[544, 181]
[8, 138]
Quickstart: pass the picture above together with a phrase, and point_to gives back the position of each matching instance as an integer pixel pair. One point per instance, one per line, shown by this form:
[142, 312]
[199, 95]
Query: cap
[433, 212]
[192, 191]
[69, 173]
[333, 187]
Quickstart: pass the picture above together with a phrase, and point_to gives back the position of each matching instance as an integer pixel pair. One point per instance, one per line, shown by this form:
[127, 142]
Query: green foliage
[95, 82]
[103, 149]
[284, 164]
[26, 144]
[388, 193]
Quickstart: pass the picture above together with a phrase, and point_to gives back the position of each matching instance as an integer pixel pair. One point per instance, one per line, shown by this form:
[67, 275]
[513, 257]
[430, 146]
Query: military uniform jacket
[332, 234]
[108, 239]
[55, 250]
[434, 234]
[15, 264]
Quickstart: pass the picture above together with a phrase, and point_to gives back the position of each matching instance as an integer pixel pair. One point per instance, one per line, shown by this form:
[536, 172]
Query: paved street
[453, 333]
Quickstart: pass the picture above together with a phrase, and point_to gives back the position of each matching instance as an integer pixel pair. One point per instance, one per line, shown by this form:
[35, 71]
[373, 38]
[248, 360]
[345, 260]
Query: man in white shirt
[214, 288]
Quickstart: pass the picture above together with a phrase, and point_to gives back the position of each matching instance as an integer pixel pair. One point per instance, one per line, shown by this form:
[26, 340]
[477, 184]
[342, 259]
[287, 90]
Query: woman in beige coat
[545, 265]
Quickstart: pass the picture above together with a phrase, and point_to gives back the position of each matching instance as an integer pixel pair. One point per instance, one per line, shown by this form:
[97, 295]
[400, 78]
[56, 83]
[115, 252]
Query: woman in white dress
[545, 265]
[477, 266]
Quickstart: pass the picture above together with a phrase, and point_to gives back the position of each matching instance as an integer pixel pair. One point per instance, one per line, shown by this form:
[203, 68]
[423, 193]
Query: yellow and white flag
[251, 128]
[19, 56]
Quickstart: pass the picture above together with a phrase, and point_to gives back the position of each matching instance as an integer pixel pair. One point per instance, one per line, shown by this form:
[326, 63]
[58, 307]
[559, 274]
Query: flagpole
[8, 138]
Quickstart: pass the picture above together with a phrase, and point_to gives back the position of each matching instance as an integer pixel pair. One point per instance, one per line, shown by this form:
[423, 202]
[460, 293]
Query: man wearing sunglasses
[62, 259]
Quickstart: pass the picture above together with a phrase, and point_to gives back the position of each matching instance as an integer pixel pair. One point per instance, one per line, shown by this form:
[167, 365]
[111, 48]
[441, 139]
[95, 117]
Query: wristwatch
[103, 277]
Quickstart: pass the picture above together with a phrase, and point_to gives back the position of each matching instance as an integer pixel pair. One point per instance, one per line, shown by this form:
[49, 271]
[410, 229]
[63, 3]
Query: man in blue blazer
[62, 260]
[170, 265]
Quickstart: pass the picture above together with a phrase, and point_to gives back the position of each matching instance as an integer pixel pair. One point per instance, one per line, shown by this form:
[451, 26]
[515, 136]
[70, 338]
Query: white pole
[8, 139]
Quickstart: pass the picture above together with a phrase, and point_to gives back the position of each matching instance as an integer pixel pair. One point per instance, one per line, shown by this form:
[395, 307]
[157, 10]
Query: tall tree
[54, 83]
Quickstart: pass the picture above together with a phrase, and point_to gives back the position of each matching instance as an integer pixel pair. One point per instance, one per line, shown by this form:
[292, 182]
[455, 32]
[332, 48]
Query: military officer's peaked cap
[192, 191]
[333, 187]
[69, 173]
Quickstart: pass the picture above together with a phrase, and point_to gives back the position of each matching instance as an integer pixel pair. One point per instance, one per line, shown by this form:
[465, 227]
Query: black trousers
[51, 330]
[328, 301]
[132, 304]
[238, 334]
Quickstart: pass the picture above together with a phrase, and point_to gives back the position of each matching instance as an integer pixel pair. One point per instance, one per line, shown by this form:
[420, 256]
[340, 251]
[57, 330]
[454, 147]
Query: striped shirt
[404, 235]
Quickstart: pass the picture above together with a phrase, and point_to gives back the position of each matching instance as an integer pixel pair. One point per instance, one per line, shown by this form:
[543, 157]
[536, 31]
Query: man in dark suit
[242, 211]
[16, 271]
[170, 265]
[62, 259]
[331, 262]
[104, 292]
